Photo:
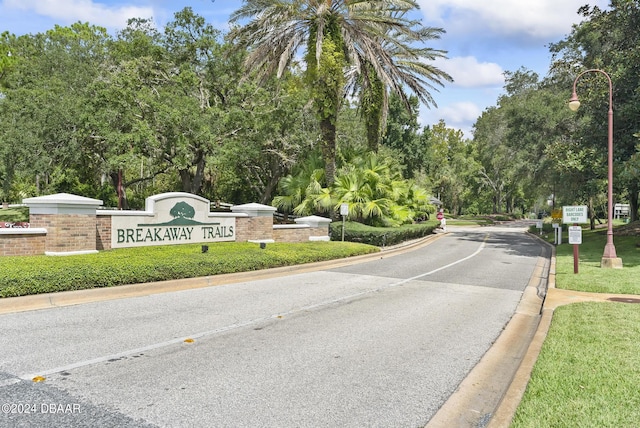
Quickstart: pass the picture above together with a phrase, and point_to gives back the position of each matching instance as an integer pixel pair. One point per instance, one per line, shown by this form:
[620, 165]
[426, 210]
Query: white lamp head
[574, 102]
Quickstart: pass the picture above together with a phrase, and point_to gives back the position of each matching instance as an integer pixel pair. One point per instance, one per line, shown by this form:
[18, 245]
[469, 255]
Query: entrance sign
[575, 235]
[171, 218]
[574, 214]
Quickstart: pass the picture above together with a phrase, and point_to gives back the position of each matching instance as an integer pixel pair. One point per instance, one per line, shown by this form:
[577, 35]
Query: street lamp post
[609, 258]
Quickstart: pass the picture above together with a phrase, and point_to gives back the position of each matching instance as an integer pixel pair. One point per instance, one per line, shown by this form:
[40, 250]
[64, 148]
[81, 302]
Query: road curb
[506, 409]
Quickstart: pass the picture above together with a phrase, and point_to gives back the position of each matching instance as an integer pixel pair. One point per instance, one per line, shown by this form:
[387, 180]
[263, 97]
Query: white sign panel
[574, 214]
[575, 235]
[170, 218]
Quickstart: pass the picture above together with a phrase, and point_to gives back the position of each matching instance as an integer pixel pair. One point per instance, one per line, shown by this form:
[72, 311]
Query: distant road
[382, 343]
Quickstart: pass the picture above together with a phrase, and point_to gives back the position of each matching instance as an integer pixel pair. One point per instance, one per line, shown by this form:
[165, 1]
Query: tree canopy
[308, 105]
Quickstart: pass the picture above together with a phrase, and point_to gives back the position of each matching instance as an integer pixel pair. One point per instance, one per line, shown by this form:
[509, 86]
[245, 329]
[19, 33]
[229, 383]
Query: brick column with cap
[255, 222]
[70, 221]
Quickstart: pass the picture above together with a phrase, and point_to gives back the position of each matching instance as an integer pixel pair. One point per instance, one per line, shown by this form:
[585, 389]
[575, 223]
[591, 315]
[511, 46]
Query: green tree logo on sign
[182, 210]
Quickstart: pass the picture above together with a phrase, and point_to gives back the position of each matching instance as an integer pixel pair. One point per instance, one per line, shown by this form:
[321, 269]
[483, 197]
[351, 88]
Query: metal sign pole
[344, 212]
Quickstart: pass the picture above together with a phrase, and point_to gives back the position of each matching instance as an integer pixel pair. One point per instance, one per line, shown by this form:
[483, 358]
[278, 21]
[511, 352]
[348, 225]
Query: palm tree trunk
[328, 148]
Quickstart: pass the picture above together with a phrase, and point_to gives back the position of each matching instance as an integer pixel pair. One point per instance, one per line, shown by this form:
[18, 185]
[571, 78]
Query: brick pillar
[70, 221]
[256, 224]
[318, 227]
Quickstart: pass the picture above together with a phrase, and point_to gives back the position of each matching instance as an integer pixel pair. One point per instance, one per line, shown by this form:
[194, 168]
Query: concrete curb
[505, 411]
[77, 297]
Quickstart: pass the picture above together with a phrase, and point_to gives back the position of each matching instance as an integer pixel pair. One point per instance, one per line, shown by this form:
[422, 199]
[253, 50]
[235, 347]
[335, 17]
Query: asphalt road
[381, 343]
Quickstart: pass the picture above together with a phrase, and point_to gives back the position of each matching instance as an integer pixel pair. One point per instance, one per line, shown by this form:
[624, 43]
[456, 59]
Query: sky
[483, 39]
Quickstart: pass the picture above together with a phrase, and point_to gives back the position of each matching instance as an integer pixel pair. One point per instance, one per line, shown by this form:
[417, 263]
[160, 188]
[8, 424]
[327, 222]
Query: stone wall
[103, 232]
[299, 233]
[254, 229]
[22, 242]
[67, 233]
[65, 224]
[69, 220]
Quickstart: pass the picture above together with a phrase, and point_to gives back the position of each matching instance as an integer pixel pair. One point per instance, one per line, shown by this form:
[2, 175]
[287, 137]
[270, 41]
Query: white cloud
[460, 113]
[69, 11]
[467, 72]
[539, 19]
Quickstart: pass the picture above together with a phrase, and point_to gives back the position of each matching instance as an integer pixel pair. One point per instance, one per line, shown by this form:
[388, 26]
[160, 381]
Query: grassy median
[588, 371]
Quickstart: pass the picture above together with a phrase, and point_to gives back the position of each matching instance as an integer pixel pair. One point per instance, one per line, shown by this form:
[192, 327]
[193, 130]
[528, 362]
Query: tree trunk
[328, 148]
[198, 178]
[592, 214]
[117, 179]
[267, 194]
[633, 202]
[193, 183]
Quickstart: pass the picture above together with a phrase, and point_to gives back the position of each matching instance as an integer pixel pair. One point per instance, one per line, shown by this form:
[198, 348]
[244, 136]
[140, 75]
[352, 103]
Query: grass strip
[588, 371]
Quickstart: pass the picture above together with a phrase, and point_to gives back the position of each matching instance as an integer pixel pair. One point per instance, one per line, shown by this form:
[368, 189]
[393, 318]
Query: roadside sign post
[575, 215]
[575, 238]
[344, 212]
[539, 225]
[556, 216]
[557, 228]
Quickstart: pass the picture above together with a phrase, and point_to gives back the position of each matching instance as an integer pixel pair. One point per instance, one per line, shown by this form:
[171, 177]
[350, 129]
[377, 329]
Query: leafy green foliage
[14, 214]
[370, 184]
[381, 236]
[608, 40]
[375, 39]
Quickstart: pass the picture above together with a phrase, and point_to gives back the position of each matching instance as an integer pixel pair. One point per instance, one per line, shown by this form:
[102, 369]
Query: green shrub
[42, 274]
[381, 236]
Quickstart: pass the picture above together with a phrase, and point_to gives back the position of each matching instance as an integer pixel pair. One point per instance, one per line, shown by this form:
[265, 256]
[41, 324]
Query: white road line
[230, 327]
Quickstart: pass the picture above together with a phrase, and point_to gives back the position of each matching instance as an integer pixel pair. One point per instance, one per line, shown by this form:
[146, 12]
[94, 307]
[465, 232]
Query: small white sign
[574, 214]
[344, 209]
[575, 235]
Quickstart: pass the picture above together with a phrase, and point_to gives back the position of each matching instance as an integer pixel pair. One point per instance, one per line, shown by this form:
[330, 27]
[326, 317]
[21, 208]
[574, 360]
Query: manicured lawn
[588, 372]
[591, 277]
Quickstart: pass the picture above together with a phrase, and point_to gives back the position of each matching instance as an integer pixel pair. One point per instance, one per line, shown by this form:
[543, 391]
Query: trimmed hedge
[44, 274]
[381, 236]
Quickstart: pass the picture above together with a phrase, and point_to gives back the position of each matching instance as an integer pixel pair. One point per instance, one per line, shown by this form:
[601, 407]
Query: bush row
[381, 236]
[42, 274]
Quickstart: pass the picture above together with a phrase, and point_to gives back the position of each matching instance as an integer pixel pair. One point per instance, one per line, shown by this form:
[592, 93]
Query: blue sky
[483, 38]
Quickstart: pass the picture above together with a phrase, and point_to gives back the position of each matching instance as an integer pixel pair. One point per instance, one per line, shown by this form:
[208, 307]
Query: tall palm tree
[408, 65]
[337, 36]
